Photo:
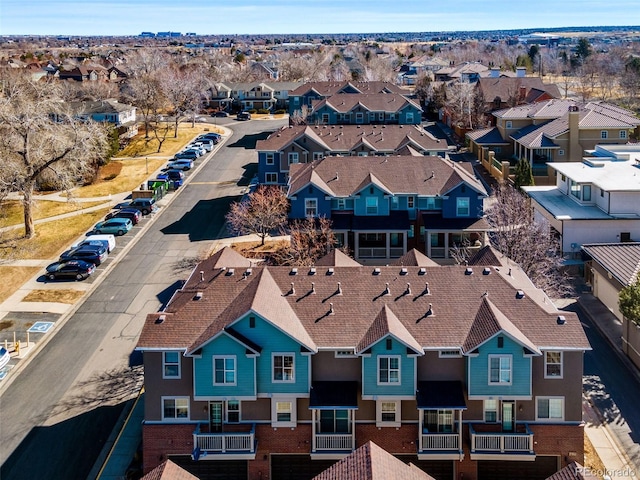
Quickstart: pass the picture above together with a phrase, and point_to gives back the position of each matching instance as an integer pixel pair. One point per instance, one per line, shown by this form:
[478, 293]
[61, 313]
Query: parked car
[116, 226]
[77, 269]
[221, 114]
[190, 154]
[4, 357]
[200, 144]
[197, 150]
[95, 254]
[109, 240]
[183, 164]
[214, 137]
[243, 116]
[145, 205]
[131, 213]
[173, 174]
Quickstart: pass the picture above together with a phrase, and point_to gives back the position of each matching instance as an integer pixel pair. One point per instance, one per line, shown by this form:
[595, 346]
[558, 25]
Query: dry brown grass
[58, 296]
[591, 458]
[133, 172]
[12, 212]
[12, 279]
[51, 237]
[139, 146]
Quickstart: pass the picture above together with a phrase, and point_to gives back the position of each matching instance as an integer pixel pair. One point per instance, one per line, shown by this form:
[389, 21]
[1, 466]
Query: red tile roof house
[257, 372]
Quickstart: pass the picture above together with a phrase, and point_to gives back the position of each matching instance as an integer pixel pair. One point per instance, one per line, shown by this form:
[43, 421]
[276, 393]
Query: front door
[216, 413]
[508, 420]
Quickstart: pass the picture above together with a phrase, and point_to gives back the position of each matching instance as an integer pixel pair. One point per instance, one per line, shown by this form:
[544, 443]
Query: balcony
[440, 446]
[488, 443]
[234, 445]
[332, 445]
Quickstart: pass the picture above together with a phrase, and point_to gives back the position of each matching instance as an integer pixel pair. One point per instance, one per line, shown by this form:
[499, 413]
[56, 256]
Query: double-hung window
[491, 411]
[271, 177]
[388, 413]
[175, 408]
[311, 207]
[224, 370]
[171, 365]
[552, 364]
[462, 207]
[500, 369]
[283, 367]
[389, 370]
[269, 158]
[550, 408]
[233, 411]
[283, 412]
[292, 157]
[372, 205]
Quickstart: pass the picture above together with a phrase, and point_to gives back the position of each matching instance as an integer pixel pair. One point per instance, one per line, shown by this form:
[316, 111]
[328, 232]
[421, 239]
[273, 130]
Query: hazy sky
[130, 17]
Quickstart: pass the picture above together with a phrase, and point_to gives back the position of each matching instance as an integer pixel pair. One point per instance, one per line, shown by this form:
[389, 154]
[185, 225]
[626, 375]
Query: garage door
[438, 469]
[213, 469]
[541, 468]
[297, 467]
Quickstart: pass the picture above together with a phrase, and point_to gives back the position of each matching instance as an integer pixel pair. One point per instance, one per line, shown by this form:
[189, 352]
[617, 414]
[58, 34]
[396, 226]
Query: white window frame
[363, 154]
[561, 153]
[293, 157]
[411, 201]
[549, 418]
[184, 404]
[389, 370]
[453, 353]
[310, 204]
[367, 206]
[227, 409]
[271, 177]
[359, 117]
[409, 117]
[604, 134]
[622, 134]
[548, 364]
[282, 402]
[382, 409]
[490, 406]
[166, 363]
[318, 155]
[501, 368]
[235, 369]
[269, 158]
[342, 203]
[508, 124]
[460, 209]
[283, 355]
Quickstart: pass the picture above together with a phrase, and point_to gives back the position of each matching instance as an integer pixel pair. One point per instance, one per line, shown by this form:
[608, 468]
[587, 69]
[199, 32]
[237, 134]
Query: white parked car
[4, 357]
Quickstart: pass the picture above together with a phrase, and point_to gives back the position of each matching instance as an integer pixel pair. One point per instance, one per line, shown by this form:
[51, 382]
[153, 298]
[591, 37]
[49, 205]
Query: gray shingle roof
[622, 260]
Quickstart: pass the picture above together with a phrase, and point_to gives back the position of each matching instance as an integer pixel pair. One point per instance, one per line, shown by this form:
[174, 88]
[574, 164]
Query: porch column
[356, 245]
[313, 430]
[460, 430]
[353, 429]
[446, 244]
[387, 237]
[421, 422]
[405, 236]
[427, 241]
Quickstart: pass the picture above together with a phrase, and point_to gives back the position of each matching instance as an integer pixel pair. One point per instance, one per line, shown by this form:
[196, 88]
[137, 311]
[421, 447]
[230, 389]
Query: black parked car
[145, 205]
[221, 113]
[77, 269]
[95, 254]
[131, 213]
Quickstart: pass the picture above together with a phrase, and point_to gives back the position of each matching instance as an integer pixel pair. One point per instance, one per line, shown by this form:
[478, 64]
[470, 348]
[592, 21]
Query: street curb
[17, 370]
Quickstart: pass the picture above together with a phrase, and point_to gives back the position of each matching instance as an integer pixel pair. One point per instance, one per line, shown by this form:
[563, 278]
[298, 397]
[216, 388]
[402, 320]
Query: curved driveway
[59, 411]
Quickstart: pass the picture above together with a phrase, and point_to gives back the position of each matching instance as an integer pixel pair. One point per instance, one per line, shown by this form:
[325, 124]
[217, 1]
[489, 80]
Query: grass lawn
[51, 239]
[139, 146]
[13, 278]
[59, 296]
[131, 174]
[12, 213]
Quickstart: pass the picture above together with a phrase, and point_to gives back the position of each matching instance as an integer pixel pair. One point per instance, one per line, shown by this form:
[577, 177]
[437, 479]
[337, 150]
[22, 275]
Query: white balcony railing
[502, 442]
[440, 441]
[334, 441]
[224, 442]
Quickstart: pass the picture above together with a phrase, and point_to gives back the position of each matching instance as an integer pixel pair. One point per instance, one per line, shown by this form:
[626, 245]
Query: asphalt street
[58, 413]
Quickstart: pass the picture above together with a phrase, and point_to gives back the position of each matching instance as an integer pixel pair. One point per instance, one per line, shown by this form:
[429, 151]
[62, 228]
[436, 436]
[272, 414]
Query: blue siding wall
[520, 370]
[449, 206]
[263, 168]
[273, 340]
[360, 204]
[298, 205]
[370, 371]
[203, 370]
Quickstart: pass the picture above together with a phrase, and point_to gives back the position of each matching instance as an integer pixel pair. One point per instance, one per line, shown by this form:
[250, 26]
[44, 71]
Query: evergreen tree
[523, 174]
[629, 302]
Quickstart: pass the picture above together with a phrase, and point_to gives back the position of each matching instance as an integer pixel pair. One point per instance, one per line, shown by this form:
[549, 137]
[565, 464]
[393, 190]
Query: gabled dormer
[372, 197]
[389, 354]
[499, 356]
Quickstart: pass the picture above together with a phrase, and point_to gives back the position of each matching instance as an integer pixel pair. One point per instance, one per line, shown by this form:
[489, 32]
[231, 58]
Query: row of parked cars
[184, 160]
[81, 260]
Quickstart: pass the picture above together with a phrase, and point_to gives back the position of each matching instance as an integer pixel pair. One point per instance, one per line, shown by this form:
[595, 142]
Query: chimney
[575, 152]
[495, 72]
[521, 72]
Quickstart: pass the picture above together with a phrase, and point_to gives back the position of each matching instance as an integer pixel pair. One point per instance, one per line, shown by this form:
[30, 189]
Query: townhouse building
[256, 371]
[120, 115]
[382, 207]
[303, 144]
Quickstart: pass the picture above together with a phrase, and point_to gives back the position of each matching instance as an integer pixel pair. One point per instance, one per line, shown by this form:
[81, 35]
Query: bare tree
[530, 243]
[311, 239]
[38, 136]
[261, 212]
[299, 117]
[184, 90]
